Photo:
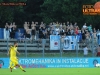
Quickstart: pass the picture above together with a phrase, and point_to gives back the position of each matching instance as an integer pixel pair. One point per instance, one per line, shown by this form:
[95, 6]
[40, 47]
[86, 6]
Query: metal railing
[78, 52]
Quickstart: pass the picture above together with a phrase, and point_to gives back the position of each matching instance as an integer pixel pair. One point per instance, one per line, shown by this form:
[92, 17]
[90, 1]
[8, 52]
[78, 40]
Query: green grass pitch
[52, 71]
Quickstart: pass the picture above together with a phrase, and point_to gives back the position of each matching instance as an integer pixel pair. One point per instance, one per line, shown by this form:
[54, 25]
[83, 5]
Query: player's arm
[18, 52]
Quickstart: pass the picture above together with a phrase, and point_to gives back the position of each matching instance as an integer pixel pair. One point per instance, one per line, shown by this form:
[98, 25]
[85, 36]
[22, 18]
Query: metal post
[43, 45]
[60, 47]
[76, 45]
[26, 48]
[7, 43]
[92, 45]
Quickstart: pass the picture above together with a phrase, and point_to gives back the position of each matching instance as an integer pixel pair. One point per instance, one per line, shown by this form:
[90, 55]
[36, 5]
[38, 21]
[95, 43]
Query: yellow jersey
[13, 51]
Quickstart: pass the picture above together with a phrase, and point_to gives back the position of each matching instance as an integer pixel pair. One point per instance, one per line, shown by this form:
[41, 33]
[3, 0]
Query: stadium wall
[53, 62]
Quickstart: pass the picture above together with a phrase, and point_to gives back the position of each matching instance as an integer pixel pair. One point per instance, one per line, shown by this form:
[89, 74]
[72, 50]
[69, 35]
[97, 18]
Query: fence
[53, 47]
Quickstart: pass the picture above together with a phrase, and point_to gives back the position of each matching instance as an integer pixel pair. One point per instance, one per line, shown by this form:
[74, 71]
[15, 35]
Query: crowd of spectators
[34, 30]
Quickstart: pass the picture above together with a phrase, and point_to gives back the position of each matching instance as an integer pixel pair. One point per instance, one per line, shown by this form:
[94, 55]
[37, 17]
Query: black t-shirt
[37, 27]
[6, 28]
[40, 30]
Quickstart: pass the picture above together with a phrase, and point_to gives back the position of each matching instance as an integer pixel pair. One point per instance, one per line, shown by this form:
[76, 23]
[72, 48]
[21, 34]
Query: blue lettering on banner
[53, 62]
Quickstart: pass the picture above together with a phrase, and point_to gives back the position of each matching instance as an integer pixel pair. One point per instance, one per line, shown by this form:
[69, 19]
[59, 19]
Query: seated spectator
[20, 36]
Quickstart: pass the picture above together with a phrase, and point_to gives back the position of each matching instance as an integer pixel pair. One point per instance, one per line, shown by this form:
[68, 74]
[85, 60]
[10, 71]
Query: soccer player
[13, 57]
[11, 47]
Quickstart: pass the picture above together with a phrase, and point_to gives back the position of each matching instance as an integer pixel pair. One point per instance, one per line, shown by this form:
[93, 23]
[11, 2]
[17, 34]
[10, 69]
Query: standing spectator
[67, 23]
[83, 36]
[90, 28]
[98, 51]
[26, 26]
[98, 35]
[33, 31]
[57, 30]
[76, 30]
[13, 30]
[85, 49]
[95, 37]
[84, 26]
[28, 35]
[7, 31]
[64, 26]
[80, 36]
[37, 30]
[62, 41]
[40, 33]
[87, 41]
[11, 26]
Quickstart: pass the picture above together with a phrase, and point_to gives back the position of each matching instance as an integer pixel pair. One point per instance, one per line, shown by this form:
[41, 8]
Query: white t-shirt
[57, 30]
[85, 51]
[84, 26]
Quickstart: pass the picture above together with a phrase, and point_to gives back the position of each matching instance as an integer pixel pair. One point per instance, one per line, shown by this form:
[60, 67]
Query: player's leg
[21, 67]
[16, 63]
[10, 63]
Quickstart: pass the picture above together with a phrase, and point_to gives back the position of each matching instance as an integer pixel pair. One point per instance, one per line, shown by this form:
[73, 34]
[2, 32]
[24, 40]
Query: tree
[67, 10]
[8, 13]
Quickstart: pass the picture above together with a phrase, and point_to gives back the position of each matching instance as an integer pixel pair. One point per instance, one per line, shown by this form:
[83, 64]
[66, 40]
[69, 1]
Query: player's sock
[24, 71]
[10, 69]
[10, 64]
[21, 67]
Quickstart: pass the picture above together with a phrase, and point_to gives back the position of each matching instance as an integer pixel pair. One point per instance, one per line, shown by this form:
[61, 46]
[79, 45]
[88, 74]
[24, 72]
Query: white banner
[54, 42]
[70, 43]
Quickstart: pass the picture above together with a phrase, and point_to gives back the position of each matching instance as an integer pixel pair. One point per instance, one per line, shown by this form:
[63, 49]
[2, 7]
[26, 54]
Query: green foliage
[48, 11]
[67, 10]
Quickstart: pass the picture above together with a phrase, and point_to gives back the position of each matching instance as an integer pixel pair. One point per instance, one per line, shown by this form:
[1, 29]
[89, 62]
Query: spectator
[87, 41]
[62, 41]
[7, 31]
[67, 23]
[98, 51]
[83, 36]
[95, 37]
[90, 28]
[11, 26]
[84, 26]
[37, 29]
[76, 30]
[98, 35]
[28, 35]
[85, 49]
[64, 26]
[80, 35]
[19, 36]
[57, 30]
[33, 31]
[40, 33]
[13, 30]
